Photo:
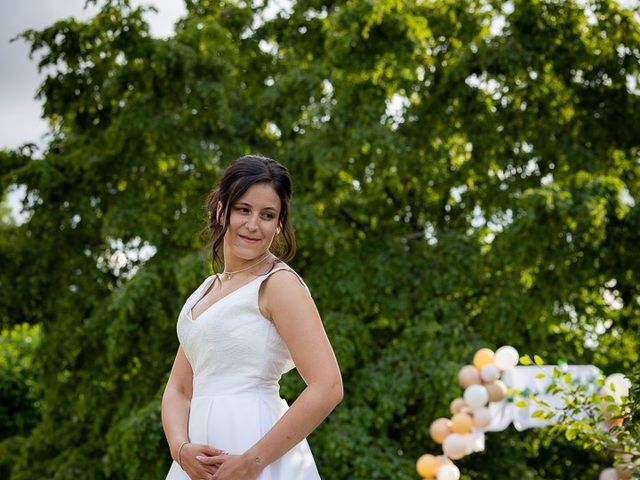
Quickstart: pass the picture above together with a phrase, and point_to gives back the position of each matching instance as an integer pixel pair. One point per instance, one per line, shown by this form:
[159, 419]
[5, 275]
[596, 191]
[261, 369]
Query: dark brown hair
[243, 173]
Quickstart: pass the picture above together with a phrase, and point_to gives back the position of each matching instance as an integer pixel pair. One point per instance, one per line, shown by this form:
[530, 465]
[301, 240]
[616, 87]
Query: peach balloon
[427, 465]
[456, 405]
[483, 357]
[468, 375]
[443, 460]
[481, 417]
[461, 423]
[454, 446]
[440, 429]
[497, 390]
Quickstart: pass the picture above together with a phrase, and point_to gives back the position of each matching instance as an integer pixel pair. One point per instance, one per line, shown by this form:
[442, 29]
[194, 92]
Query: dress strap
[288, 269]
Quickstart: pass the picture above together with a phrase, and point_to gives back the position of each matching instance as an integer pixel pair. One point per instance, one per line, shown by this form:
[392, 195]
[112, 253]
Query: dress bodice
[232, 337]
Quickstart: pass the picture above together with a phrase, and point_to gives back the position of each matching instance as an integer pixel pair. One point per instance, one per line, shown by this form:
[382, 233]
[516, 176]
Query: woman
[239, 332]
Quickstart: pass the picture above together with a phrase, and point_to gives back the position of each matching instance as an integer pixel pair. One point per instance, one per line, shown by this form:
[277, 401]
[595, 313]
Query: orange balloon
[427, 465]
[497, 390]
[439, 429]
[483, 357]
[461, 423]
[456, 405]
[617, 421]
[468, 375]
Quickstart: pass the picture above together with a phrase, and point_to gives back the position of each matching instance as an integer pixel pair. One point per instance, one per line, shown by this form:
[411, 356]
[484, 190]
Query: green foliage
[456, 185]
[20, 394]
[593, 414]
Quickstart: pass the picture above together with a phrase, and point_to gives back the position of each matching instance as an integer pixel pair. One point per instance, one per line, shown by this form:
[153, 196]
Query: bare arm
[294, 314]
[176, 403]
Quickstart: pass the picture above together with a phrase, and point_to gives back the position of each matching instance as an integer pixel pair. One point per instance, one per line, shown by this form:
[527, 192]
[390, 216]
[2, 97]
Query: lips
[249, 239]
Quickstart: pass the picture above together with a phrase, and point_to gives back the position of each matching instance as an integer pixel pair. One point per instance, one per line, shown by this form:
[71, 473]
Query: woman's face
[253, 223]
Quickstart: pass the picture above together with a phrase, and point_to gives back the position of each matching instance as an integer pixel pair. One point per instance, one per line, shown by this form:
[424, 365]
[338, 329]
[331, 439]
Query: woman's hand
[233, 467]
[196, 469]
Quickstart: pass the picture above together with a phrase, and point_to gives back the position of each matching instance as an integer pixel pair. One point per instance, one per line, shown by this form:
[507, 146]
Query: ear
[219, 218]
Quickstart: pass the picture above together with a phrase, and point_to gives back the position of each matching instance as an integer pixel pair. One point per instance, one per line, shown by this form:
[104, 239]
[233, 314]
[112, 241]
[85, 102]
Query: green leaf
[525, 360]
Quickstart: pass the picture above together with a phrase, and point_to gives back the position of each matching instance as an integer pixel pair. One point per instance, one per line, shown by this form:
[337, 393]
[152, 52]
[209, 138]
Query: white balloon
[489, 373]
[476, 396]
[609, 474]
[454, 446]
[620, 383]
[448, 472]
[506, 357]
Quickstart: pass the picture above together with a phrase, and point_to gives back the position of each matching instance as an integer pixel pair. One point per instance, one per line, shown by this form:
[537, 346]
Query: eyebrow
[249, 205]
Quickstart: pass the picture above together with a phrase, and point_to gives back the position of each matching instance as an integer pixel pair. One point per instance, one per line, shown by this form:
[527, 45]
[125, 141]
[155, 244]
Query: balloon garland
[471, 416]
[469, 413]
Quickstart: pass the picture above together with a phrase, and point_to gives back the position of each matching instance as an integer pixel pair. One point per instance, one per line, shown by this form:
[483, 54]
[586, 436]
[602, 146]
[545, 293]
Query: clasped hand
[230, 467]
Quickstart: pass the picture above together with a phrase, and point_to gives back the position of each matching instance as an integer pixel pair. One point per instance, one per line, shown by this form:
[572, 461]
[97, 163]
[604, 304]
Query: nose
[252, 222]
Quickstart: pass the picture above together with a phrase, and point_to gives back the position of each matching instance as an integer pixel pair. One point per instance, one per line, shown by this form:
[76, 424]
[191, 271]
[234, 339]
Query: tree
[456, 186]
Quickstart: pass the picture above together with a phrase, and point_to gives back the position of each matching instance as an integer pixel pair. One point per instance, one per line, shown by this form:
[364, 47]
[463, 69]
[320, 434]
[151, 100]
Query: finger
[212, 451]
[220, 459]
[206, 460]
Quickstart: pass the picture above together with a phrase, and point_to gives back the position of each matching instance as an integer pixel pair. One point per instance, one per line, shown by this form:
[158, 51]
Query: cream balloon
[608, 474]
[454, 446]
[489, 373]
[456, 405]
[448, 472]
[482, 357]
[427, 465]
[507, 357]
[439, 429]
[497, 391]
[476, 396]
[468, 375]
[481, 418]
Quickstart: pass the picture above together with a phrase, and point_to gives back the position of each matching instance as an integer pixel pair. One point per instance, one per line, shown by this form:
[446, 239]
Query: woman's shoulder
[281, 275]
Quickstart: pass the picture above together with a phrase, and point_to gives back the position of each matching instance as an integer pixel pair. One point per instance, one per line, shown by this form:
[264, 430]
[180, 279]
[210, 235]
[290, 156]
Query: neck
[238, 265]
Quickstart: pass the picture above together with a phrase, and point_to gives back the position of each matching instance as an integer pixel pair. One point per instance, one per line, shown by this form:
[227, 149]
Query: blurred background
[466, 174]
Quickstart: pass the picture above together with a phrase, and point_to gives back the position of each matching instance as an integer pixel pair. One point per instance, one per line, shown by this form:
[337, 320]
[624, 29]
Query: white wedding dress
[237, 357]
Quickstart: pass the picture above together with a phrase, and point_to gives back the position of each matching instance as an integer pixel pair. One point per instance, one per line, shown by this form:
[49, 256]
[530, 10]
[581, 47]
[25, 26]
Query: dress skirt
[232, 414]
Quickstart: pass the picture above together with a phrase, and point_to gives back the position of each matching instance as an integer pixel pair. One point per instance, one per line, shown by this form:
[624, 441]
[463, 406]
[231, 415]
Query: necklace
[227, 275]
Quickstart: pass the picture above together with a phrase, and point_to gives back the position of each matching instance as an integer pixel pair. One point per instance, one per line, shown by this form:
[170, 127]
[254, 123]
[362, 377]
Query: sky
[20, 112]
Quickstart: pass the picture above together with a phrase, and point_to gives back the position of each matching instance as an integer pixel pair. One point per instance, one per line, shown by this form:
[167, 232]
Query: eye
[242, 209]
[268, 216]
